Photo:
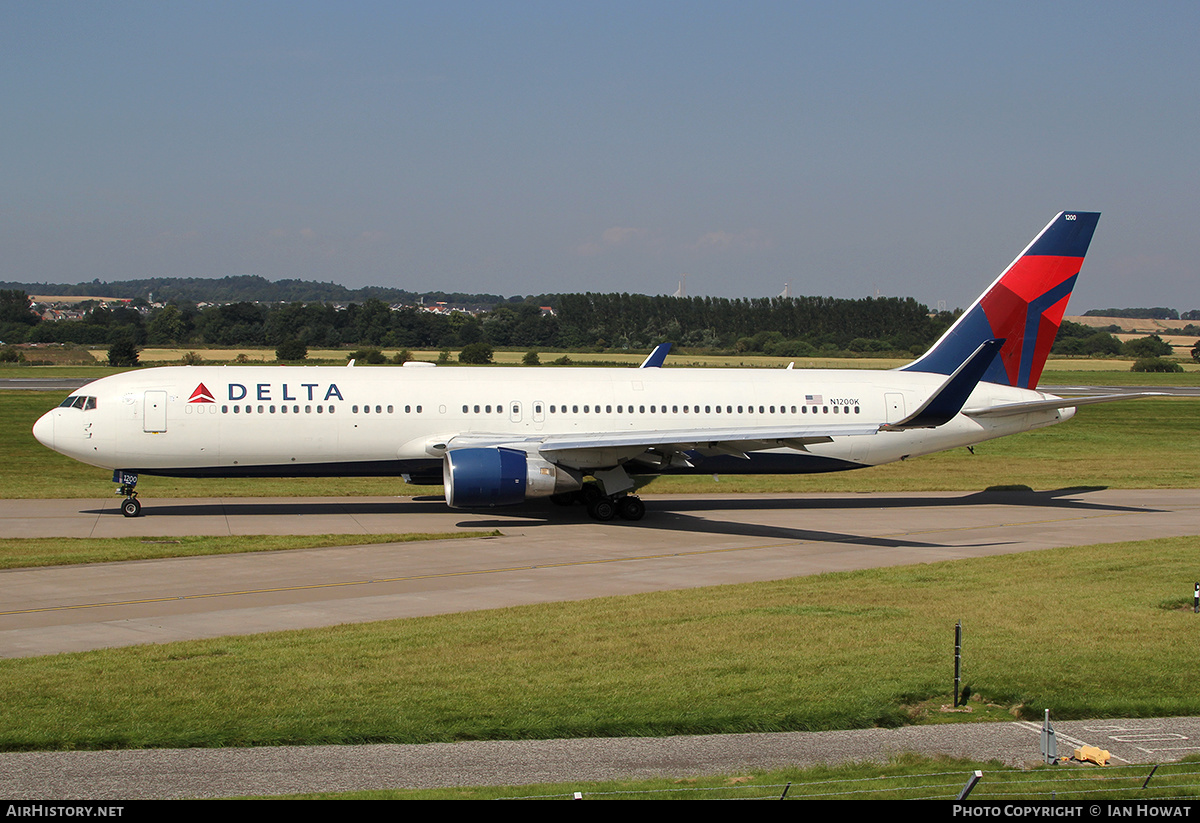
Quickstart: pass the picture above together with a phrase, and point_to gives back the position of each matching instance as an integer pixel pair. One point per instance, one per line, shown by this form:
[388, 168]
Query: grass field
[19, 553]
[1095, 631]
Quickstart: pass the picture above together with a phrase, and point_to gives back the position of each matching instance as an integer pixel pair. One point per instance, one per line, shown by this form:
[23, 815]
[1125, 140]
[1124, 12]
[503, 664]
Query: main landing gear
[604, 507]
[130, 507]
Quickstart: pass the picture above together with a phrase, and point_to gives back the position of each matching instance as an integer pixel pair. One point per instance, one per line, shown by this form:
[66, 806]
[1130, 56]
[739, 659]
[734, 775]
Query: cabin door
[154, 412]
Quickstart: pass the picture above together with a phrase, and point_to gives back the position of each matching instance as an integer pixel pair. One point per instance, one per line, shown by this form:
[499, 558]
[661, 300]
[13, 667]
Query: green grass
[16, 553]
[1097, 631]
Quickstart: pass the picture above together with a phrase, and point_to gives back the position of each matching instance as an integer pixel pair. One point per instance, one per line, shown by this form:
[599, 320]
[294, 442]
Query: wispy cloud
[721, 241]
[614, 238]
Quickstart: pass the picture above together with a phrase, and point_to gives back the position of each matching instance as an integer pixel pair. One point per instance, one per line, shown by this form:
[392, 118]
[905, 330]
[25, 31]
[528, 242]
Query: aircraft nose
[43, 429]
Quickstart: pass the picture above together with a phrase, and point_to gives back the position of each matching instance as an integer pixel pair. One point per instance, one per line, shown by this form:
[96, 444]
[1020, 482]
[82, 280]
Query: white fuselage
[337, 421]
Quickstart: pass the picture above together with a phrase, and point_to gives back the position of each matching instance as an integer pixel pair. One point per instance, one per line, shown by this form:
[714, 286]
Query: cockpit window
[78, 401]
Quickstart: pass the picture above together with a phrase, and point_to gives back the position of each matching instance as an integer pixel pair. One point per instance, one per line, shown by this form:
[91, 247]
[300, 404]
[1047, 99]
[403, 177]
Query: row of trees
[789, 327]
[1155, 313]
[776, 326]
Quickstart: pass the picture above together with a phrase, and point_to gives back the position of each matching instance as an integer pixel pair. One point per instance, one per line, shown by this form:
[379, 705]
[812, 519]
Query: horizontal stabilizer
[1055, 403]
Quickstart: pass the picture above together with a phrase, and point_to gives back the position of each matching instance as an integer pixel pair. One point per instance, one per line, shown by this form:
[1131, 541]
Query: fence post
[957, 661]
[970, 785]
[1049, 741]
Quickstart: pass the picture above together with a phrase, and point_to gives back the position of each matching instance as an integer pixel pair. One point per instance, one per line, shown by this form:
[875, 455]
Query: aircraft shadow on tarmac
[544, 512]
[672, 514]
[667, 514]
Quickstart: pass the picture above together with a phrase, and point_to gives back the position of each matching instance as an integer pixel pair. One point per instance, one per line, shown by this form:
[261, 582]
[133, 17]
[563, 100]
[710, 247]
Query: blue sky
[848, 149]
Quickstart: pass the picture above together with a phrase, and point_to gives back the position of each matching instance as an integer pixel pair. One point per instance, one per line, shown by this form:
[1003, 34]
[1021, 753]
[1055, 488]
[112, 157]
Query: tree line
[786, 327]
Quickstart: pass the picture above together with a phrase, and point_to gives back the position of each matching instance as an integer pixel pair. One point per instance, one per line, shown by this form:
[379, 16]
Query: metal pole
[1146, 782]
[1049, 740]
[975, 778]
[957, 661]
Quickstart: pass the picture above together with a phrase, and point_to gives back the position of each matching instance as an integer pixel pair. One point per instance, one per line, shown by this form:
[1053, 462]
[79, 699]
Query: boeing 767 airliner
[498, 437]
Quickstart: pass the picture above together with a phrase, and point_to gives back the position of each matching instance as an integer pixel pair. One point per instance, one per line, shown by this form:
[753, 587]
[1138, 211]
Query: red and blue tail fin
[1024, 307]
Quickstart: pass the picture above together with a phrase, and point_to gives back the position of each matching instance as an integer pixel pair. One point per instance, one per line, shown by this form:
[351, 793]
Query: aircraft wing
[1055, 403]
[731, 439]
[655, 359]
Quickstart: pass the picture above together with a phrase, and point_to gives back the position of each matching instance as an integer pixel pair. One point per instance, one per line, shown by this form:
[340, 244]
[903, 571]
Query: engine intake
[482, 478]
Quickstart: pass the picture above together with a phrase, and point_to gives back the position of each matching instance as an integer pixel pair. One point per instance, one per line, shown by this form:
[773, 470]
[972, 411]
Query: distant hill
[250, 289]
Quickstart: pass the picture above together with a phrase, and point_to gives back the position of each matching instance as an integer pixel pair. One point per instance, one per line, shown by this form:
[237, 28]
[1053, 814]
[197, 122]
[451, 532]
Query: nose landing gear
[131, 507]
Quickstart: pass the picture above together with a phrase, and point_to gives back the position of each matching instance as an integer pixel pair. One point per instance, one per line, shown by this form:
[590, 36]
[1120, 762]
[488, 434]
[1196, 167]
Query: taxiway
[543, 554]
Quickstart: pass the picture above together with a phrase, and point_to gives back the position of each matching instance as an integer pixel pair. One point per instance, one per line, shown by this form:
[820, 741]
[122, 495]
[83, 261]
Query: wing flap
[742, 438]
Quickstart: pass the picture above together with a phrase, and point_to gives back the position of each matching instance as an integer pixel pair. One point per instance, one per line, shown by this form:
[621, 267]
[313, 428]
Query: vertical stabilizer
[1024, 307]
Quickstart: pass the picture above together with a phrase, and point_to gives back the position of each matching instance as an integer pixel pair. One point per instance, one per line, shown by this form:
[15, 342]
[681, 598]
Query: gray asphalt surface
[191, 773]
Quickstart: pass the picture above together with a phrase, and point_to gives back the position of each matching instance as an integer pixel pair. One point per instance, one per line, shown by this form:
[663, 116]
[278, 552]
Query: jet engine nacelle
[500, 476]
